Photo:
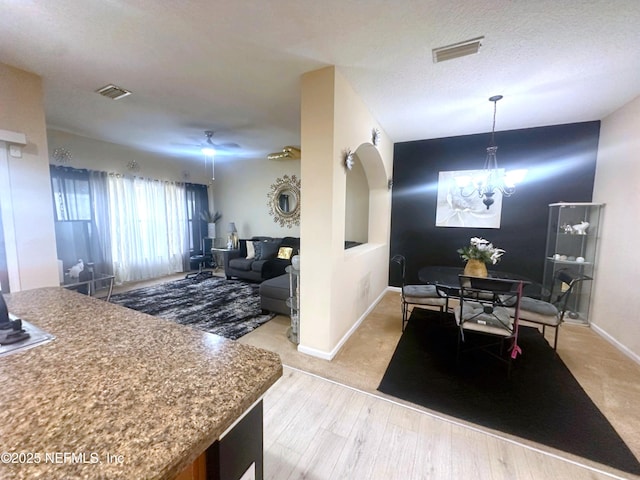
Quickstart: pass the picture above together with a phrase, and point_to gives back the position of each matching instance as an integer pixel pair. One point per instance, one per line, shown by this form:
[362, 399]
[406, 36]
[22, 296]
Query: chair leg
[405, 309]
[555, 338]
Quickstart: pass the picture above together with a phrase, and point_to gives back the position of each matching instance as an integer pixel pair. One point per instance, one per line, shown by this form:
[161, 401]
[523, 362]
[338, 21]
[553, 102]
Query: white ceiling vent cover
[113, 92]
[457, 50]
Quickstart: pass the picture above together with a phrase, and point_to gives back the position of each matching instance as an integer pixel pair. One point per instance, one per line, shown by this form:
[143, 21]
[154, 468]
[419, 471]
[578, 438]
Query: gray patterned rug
[229, 308]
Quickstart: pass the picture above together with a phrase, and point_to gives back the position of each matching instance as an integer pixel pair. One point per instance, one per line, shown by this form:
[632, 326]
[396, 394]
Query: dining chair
[417, 294]
[481, 314]
[551, 313]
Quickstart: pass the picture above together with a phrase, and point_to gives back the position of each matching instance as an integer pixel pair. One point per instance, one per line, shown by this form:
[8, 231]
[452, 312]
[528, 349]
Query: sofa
[260, 258]
[274, 293]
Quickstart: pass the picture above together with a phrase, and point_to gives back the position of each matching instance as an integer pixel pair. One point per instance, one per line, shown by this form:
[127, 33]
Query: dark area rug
[229, 308]
[542, 401]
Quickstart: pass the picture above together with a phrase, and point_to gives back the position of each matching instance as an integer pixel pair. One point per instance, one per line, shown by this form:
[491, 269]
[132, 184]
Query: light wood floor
[326, 420]
[447, 448]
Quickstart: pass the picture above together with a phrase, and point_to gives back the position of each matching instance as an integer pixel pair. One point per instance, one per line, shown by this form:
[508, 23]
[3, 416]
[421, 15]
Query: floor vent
[113, 92]
[461, 49]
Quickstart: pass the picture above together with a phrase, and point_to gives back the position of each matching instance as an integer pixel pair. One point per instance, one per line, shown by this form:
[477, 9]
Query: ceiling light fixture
[457, 50]
[492, 178]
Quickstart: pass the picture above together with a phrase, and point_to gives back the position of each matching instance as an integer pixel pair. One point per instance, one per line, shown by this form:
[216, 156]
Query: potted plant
[211, 219]
[477, 254]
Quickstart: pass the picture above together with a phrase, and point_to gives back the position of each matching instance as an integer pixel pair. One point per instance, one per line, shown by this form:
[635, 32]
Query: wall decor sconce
[133, 166]
[348, 159]
[287, 152]
[375, 136]
[61, 155]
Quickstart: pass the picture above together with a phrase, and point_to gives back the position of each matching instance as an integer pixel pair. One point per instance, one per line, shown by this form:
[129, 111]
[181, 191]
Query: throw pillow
[251, 251]
[268, 250]
[257, 248]
[285, 252]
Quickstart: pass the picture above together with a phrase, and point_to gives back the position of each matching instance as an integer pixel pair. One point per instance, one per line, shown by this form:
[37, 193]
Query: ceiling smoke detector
[457, 50]
[113, 92]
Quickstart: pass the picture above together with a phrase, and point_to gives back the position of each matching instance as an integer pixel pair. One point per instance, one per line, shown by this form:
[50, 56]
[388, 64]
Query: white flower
[481, 249]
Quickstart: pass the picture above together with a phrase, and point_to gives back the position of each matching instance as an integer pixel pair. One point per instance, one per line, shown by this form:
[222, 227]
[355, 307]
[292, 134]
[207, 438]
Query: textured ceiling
[234, 66]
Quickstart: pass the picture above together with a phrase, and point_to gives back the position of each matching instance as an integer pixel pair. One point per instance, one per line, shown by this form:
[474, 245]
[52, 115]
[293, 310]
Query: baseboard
[632, 355]
[314, 352]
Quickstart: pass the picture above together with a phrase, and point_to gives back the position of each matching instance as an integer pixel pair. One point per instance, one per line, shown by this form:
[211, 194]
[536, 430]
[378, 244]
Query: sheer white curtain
[147, 222]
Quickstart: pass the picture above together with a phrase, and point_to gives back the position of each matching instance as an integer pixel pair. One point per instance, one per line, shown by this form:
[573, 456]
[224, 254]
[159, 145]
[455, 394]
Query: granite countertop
[118, 394]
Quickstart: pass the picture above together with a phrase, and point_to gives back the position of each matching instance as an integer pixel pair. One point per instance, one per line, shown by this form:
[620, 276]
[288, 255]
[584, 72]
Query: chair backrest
[207, 245]
[571, 279]
[486, 299]
[401, 262]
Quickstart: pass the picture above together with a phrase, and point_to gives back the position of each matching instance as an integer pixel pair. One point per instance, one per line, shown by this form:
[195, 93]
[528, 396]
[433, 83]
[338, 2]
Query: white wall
[239, 190]
[240, 194]
[110, 157]
[28, 220]
[357, 204]
[338, 286]
[615, 304]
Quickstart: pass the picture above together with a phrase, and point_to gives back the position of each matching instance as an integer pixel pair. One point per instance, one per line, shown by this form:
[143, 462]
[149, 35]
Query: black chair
[482, 313]
[551, 313]
[417, 294]
[204, 259]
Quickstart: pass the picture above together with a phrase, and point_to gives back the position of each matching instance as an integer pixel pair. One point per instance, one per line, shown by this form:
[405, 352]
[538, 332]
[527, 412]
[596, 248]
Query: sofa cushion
[277, 287]
[285, 253]
[257, 249]
[241, 263]
[251, 252]
[256, 266]
[268, 250]
[537, 306]
[293, 242]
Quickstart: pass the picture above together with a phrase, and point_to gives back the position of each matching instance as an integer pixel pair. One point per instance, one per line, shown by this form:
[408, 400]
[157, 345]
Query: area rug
[229, 308]
[541, 401]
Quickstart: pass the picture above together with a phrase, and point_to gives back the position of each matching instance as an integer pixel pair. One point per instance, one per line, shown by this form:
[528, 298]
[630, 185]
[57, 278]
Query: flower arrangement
[481, 249]
[209, 217]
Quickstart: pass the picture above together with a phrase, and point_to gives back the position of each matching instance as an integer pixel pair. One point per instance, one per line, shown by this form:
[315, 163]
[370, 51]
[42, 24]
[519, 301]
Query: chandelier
[492, 178]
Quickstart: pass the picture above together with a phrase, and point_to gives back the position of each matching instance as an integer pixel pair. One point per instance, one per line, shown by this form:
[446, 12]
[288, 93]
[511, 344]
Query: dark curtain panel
[81, 217]
[197, 203]
[72, 210]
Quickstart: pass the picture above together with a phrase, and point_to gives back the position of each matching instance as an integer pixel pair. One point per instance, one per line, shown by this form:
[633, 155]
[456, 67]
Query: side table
[218, 254]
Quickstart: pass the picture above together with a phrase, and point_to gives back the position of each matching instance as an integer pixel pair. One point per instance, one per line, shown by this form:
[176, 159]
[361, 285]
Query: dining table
[447, 278]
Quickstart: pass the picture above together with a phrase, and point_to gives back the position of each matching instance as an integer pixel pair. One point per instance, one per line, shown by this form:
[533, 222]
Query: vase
[211, 230]
[475, 268]
[295, 262]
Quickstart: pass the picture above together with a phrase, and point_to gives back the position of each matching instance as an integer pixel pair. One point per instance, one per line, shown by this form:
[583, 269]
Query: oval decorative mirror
[284, 201]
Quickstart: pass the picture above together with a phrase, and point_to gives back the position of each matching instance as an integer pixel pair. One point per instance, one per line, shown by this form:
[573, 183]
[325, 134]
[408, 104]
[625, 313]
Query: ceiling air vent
[113, 92]
[461, 49]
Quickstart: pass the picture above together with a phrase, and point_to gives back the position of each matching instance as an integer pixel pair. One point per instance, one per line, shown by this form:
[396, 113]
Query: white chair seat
[417, 294]
[537, 311]
[423, 295]
[474, 317]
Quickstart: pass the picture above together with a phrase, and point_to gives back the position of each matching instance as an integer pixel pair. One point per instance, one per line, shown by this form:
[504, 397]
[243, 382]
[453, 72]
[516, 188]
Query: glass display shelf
[572, 237]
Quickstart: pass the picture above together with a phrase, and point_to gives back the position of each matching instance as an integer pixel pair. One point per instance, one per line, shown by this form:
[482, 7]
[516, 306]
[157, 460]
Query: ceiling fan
[211, 148]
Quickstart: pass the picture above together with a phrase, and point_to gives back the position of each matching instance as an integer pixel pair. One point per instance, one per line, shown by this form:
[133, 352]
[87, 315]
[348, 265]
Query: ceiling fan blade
[226, 146]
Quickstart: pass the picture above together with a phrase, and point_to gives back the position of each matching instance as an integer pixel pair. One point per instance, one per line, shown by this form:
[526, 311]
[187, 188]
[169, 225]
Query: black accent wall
[561, 163]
